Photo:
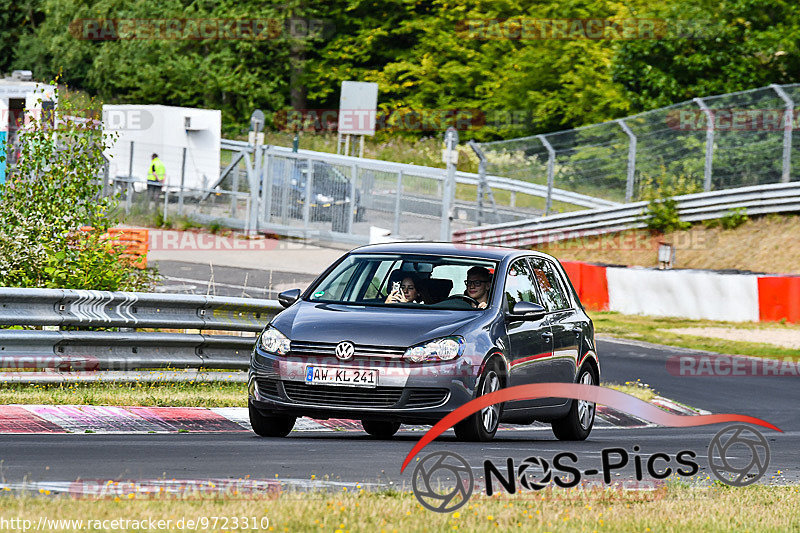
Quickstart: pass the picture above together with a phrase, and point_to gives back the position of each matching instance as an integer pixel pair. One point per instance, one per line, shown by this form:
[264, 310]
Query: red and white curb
[37, 419]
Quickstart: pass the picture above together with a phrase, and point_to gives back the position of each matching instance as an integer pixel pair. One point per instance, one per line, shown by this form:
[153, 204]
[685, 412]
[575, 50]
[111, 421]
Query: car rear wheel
[270, 425]
[481, 426]
[579, 421]
[380, 429]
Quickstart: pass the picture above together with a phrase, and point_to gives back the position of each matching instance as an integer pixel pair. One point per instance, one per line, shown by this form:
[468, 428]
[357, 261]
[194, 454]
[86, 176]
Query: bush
[734, 219]
[661, 213]
[53, 217]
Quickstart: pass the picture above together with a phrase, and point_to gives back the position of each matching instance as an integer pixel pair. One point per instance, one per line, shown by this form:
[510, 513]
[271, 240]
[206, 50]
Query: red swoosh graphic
[575, 391]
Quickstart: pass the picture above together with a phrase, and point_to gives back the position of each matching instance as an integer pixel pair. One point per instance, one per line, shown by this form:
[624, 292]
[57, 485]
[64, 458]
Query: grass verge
[652, 329]
[126, 394]
[675, 507]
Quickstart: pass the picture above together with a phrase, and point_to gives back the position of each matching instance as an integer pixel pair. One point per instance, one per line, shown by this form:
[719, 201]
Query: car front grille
[268, 387]
[361, 397]
[342, 396]
[426, 397]
[304, 348]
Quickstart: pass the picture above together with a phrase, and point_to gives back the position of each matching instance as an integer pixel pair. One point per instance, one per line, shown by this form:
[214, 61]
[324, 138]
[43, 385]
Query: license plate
[331, 375]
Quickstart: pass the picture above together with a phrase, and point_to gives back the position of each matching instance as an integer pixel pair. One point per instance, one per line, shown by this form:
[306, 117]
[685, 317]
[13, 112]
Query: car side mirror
[287, 298]
[526, 311]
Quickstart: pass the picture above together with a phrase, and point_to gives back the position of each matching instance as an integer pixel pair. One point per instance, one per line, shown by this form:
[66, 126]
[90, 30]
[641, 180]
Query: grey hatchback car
[466, 322]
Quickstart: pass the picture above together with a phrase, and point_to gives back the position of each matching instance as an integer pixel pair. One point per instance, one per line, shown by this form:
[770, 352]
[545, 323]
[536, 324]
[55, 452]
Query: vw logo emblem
[345, 350]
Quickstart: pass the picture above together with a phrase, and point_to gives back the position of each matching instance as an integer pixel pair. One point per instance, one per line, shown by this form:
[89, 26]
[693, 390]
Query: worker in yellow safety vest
[155, 178]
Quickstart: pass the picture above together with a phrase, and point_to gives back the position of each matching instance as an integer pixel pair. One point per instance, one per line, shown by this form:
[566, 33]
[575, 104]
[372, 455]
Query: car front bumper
[406, 392]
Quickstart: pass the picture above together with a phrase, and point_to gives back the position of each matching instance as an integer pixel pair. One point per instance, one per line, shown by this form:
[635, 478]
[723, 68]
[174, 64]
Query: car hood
[386, 326]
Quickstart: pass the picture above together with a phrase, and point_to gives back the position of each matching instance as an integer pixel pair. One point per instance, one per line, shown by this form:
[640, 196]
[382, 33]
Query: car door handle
[547, 336]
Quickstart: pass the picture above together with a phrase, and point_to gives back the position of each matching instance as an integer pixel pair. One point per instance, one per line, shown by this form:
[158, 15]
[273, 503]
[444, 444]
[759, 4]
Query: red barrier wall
[590, 283]
[779, 298]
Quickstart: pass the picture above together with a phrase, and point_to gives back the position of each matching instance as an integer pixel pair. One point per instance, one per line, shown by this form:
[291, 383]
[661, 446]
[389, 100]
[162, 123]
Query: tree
[53, 217]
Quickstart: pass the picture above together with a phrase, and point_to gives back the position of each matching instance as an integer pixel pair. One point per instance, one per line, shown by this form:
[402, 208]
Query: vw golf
[407, 332]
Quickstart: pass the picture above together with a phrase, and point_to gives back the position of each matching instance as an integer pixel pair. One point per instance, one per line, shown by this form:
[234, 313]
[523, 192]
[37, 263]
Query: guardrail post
[128, 187]
[551, 163]
[234, 190]
[254, 179]
[266, 191]
[309, 189]
[707, 169]
[788, 124]
[183, 178]
[398, 193]
[631, 160]
[353, 205]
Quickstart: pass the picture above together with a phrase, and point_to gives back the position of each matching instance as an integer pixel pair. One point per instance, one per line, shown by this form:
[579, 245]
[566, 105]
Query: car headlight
[322, 199]
[443, 349]
[274, 342]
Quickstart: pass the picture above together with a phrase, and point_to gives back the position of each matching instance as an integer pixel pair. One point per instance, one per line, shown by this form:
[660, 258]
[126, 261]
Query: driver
[479, 279]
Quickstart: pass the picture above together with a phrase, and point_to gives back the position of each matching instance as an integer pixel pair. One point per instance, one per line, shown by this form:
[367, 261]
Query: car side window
[552, 291]
[520, 285]
[378, 279]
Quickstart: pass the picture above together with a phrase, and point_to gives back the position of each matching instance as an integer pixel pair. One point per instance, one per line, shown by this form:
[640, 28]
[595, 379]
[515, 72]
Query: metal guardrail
[760, 199]
[498, 182]
[127, 349]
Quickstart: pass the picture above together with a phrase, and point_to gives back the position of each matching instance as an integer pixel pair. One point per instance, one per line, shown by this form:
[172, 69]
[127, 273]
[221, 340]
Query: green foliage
[422, 60]
[661, 213]
[734, 219]
[53, 217]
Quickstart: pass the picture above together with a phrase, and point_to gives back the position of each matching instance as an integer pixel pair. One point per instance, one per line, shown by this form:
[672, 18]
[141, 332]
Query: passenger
[410, 291]
[478, 282]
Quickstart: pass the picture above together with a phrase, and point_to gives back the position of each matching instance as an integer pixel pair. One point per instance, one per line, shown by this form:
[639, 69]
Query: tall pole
[631, 160]
[551, 164]
[788, 124]
[183, 178]
[448, 192]
[707, 168]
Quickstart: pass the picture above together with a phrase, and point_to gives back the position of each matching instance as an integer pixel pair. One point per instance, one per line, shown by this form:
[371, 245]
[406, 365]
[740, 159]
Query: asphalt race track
[354, 457]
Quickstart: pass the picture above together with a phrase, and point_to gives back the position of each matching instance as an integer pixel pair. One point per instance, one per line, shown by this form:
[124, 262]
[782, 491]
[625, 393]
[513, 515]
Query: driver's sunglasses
[475, 282]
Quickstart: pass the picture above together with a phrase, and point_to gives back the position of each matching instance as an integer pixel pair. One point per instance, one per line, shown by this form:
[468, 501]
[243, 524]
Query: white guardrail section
[496, 182]
[95, 331]
[759, 199]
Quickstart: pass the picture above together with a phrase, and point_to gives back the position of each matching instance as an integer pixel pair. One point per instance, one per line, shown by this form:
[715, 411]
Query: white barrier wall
[683, 293]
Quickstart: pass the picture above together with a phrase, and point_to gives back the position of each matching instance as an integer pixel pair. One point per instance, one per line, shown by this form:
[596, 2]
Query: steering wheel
[469, 299]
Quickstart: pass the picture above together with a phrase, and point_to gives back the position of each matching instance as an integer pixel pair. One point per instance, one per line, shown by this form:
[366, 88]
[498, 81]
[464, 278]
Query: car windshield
[418, 281]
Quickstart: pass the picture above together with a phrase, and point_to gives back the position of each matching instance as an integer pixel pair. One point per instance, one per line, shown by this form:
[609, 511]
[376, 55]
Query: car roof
[496, 253]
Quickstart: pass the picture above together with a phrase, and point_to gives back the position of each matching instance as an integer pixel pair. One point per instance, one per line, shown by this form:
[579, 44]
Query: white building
[165, 131]
[21, 100]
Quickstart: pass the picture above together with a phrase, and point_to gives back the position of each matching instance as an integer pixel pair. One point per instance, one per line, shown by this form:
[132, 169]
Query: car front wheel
[579, 421]
[482, 426]
[270, 425]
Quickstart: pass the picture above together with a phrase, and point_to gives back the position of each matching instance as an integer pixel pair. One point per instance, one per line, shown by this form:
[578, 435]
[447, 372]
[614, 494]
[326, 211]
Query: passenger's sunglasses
[474, 282]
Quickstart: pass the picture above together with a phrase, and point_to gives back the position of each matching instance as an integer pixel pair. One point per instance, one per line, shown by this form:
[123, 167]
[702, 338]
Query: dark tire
[481, 426]
[380, 429]
[270, 425]
[579, 421]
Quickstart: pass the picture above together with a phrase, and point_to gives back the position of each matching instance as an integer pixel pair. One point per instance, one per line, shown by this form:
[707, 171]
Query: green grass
[651, 329]
[673, 508]
[126, 394]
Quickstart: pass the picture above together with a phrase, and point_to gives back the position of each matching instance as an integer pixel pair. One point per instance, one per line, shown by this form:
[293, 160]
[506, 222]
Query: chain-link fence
[718, 142]
[320, 196]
